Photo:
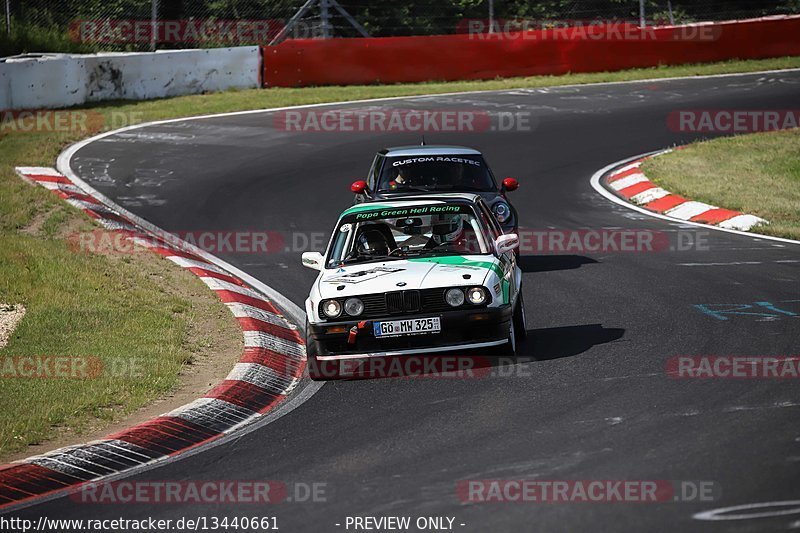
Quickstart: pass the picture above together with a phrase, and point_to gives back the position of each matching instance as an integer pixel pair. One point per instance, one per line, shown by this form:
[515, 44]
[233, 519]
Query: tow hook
[351, 338]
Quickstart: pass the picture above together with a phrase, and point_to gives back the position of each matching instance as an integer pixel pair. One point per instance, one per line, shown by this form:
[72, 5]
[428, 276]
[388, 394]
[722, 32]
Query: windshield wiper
[407, 189]
[362, 258]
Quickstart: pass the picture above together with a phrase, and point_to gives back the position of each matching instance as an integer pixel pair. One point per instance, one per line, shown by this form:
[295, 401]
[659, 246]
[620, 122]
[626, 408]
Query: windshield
[400, 233]
[439, 172]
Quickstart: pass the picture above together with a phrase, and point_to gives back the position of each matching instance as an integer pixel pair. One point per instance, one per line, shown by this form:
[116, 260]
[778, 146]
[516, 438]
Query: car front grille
[402, 302]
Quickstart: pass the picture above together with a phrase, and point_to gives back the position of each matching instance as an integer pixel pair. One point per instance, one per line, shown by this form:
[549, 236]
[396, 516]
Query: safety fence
[146, 25]
[598, 48]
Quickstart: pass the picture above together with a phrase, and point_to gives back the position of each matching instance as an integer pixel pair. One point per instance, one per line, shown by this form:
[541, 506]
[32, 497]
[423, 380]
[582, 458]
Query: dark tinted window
[372, 177]
[436, 172]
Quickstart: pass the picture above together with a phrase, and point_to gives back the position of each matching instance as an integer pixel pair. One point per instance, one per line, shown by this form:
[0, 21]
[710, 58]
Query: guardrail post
[153, 25]
[641, 14]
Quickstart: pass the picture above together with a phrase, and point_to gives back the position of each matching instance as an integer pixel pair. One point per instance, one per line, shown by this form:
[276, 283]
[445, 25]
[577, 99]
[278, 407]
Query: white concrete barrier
[61, 80]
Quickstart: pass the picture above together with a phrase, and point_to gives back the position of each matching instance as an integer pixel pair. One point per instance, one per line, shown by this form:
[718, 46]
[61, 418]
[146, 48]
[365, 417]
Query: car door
[508, 260]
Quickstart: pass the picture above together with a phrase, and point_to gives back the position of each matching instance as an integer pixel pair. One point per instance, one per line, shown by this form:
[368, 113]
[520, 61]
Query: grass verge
[137, 307]
[758, 174]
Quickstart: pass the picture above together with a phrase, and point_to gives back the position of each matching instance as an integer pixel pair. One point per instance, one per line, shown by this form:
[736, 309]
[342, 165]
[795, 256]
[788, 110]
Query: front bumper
[460, 329]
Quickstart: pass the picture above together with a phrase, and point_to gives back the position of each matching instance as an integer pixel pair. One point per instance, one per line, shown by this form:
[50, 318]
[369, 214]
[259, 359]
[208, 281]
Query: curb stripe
[185, 262]
[626, 170]
[630, 183]
[76, 196]
[665, 203]
[259, 339]
[687, 210]
[627, 181]
[649, 195]
[253, 324]
[222, 285]
[263, 376]
[270, 367]
[741, 222]
[637, 188]
[215, 415]
[228, 297]
[271, 359]
[165, 435]
[242, 310]
[245, 395]
[715, 216]
[202, 273]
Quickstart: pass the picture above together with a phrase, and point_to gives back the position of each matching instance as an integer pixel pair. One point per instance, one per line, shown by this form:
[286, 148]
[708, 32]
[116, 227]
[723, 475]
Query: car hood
[423, 273]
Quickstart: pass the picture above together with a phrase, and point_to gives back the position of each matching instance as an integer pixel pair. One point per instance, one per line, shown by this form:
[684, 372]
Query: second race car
[405, 170]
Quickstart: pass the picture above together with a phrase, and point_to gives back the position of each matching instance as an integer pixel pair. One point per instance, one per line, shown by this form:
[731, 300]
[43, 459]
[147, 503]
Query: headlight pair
[475, 295]
[333, 308]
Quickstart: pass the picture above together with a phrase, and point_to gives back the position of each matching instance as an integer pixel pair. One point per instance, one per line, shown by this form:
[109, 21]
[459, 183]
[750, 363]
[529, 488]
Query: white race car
[414, 276]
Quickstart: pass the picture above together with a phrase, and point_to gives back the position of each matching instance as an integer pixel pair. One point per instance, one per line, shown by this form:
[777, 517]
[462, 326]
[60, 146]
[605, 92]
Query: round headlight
[353, 306]
[501, 211]
[476, 295]
[454, 297]
[331, 308]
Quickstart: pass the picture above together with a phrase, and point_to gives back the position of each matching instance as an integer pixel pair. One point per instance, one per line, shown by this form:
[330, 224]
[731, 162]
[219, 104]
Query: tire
[519, 319]
[509, 349]
[315, 372]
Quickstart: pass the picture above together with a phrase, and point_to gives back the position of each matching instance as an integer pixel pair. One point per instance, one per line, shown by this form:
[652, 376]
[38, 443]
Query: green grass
[757, 174]
[139, 307]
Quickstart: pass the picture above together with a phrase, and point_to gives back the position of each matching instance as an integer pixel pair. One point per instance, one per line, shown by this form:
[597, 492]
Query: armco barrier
[463, 57]
[61, 80]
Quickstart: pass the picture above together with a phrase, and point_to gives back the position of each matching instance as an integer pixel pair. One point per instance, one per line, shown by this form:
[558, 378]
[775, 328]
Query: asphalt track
[589, 399]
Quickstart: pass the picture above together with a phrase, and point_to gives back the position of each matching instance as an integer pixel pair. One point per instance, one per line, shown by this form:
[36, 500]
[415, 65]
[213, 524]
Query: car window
[372, 176]
[412, 232]
[442, 173]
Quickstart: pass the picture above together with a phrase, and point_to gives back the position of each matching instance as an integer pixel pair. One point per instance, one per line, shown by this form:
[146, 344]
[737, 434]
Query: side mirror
[313, 260]
[506, 243]
[510, 184]
[358, 187]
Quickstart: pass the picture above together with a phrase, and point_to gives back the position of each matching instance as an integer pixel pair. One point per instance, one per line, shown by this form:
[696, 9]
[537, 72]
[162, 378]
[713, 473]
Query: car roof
[439, 149]
[414, 200]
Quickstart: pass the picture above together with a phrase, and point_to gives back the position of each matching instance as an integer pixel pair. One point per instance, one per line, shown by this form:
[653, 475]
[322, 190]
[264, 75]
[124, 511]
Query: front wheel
[509, 349]
[315, 371]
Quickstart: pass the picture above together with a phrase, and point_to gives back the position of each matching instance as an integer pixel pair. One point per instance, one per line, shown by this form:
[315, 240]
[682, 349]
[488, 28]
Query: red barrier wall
[297, 63]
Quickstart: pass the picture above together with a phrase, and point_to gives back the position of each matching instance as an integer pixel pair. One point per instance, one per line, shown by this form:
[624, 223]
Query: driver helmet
[447, 228]
[372, 242]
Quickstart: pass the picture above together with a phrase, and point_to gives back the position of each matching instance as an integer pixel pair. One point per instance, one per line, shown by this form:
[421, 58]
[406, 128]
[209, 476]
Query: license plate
[411, 326]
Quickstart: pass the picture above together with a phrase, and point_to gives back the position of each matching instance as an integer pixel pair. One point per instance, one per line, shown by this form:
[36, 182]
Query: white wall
[59, 80]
